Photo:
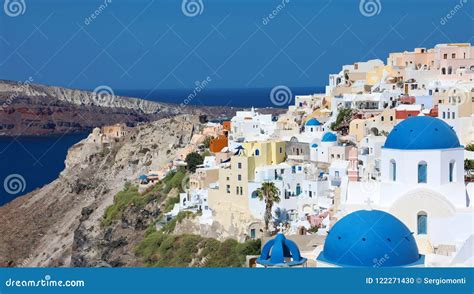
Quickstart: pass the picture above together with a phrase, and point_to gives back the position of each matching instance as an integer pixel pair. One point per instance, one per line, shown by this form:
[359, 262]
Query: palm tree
[269, 193]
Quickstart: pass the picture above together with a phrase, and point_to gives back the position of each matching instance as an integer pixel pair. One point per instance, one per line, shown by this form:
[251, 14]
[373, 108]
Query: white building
[422, 183]
[250, 126]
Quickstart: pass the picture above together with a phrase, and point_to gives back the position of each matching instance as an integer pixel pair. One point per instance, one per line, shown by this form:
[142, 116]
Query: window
[422, 223]
[452, 166]
[422, 172]
[253, 234]
[453, 56]
[281, 150]
[237, 190]
[254, 194]
[443, 71]
[257, 152]
[393, 170]
[228, 189]
[444, 114]
[445, 56]
[241, 191]
[454, 115]
[450, 70]
[239, 177]
[239, 165]
[298, 189]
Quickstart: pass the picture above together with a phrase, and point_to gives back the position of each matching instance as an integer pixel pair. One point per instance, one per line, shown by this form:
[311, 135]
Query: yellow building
[229, 202]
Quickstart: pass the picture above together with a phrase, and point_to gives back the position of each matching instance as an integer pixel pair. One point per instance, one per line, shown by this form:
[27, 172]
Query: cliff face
[60, 224]
[29, 109]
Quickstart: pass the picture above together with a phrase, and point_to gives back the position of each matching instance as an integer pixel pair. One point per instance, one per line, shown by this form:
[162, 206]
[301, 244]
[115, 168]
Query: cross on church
[369, 201]
[280, 228]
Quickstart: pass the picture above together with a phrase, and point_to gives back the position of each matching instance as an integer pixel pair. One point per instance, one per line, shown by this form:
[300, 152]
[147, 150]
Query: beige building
[203, 178]
[359, 128]
[116, 131]
[229, 202]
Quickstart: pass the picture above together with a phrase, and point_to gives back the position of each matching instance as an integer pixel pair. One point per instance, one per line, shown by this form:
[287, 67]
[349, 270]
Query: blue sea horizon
[232, 97]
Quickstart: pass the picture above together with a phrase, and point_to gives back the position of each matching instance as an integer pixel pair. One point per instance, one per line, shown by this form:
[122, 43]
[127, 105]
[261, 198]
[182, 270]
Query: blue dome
[280, 252]
[422, 132]
[329, 137]
[314, 146]
[313, 122]
[370, 238]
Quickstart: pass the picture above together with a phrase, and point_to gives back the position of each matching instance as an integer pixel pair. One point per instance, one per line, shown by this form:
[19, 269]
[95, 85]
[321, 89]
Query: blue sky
[137, 44]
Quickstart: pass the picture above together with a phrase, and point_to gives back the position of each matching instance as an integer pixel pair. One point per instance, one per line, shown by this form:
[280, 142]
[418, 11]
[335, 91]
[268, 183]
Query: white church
[422, 184]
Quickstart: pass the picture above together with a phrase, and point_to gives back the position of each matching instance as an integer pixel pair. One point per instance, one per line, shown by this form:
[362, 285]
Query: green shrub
[174, 180]
[170, 202]
[163, 250]
[129, 196]
[123, 199]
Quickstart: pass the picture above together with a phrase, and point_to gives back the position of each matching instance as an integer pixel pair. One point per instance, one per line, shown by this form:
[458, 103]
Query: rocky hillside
[62, 223]
[31, 109]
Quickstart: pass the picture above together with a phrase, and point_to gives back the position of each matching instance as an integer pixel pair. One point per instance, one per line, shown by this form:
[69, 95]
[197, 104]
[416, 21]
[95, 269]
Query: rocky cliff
[31, 109]
[60, 224]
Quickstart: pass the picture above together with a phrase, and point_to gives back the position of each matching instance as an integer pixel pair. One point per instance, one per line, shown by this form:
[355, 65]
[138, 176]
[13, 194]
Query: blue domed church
[370, 238]
[421, 183]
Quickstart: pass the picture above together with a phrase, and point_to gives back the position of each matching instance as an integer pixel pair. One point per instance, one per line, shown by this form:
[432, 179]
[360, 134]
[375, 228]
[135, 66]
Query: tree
[343, 119]
[470, 147]
[269, 193]
[193, 159]
[207, 141]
